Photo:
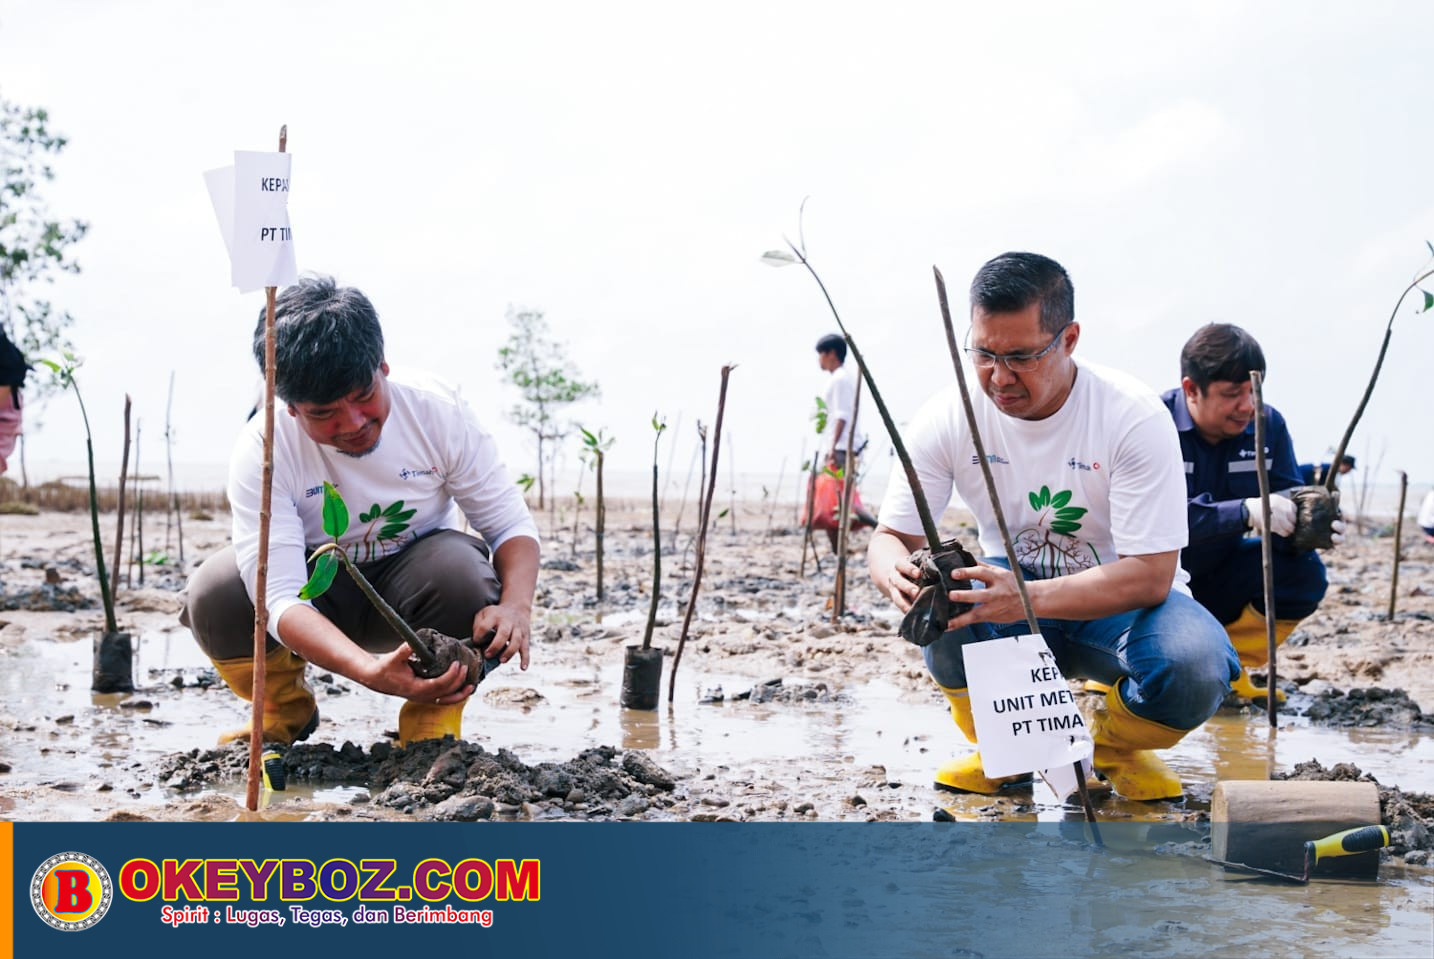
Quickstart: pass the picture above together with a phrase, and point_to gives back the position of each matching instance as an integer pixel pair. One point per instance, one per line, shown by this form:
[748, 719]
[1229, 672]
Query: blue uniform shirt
[1219, 477]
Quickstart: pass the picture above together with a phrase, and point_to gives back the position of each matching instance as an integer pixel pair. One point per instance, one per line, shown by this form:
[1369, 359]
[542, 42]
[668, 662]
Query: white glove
[1336, 531]
[1282, 514]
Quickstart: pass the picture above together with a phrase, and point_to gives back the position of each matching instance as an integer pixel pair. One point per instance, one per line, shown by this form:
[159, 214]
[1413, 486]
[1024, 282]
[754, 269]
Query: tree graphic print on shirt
[1049, 548]
[384, 534]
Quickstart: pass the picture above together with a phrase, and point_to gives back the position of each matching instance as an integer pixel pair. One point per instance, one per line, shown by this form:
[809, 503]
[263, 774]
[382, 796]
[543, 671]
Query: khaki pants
[440, 582]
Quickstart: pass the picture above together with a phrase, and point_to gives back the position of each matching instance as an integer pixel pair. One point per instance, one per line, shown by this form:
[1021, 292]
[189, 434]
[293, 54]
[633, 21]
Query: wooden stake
[807, 533]
[261, 574]
[119, 532]
[1267, 561]
[173, 495]
[706, 515]
[1398, 531]
[732, 482]
[848, 481]
[776, 491]
[136, 546]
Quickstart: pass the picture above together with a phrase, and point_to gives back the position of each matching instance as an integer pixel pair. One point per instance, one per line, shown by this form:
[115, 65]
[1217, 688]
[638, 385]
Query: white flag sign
[1026, 717]
[251, 203]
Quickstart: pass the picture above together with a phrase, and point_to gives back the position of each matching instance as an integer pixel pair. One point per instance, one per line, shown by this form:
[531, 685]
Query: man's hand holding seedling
[311, 635]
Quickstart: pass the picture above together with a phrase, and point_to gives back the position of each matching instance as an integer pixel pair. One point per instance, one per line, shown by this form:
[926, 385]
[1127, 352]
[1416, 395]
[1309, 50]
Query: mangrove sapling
[705, 513]
[1378, 363]
[926, 620]
[525, 482]
[642, 665]
[595, 447]
[433, 652]
[1315, 510]
[113, 659]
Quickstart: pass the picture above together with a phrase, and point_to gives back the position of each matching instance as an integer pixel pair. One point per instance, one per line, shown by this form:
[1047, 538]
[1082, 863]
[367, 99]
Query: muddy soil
[778, 713]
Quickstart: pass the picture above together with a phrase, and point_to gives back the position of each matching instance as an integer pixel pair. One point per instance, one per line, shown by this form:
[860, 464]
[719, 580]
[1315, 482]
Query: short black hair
[1013, 281]
[327, 341]
[833, 343]
[1220, 351]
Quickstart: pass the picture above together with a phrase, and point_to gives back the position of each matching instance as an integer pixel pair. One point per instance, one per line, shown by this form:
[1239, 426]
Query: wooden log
[1266, 824]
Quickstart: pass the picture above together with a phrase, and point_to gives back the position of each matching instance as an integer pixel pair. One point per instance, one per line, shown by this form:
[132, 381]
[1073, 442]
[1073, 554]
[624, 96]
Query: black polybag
[926, 620]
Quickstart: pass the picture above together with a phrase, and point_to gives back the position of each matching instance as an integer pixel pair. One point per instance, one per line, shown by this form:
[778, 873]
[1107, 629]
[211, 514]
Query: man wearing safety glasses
[1088, 471]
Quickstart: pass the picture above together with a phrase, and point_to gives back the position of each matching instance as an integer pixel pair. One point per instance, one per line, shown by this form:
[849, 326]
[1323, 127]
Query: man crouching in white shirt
[403, 451]
[1089, 474]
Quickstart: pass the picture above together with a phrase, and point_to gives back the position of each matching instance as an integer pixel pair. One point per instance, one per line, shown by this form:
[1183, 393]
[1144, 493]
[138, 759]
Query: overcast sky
[622, 167]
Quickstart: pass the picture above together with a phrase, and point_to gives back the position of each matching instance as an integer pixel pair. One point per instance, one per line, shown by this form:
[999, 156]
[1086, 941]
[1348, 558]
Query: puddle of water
[89, 738]
[1176, 903]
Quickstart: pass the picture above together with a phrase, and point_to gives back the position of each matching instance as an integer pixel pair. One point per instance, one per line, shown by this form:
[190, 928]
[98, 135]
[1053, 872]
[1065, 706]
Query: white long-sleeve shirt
[432, 463]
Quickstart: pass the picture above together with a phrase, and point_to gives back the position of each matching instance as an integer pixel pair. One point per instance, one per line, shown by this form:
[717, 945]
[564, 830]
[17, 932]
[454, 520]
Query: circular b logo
[71, 891]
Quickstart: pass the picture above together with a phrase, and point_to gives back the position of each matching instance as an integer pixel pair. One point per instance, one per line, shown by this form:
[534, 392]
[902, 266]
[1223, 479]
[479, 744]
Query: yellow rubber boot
[1123, 744]
[1247, 635]
[420, 721]
[965, 773]
[290, 713]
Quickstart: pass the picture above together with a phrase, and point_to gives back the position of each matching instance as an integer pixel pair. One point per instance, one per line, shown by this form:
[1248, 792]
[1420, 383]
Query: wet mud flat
[778, 713]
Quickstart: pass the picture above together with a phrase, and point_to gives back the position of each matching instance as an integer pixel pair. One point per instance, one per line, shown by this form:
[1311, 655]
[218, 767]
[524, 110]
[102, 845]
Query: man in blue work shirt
[1214, 414]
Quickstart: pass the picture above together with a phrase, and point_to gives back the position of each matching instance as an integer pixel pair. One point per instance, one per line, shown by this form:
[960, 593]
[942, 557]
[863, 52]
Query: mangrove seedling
[1379, 362]
[595, 447]
[1318, 506]
[433, 652]
[657, 426]
[114, 653]
[642, 665]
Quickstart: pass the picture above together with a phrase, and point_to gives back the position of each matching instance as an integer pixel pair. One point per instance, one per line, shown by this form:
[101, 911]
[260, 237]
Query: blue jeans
[1227, 584]
[1174, 662]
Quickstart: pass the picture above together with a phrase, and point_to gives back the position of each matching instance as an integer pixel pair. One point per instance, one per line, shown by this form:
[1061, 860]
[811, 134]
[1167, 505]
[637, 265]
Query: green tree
[547, 381]
[33, 246]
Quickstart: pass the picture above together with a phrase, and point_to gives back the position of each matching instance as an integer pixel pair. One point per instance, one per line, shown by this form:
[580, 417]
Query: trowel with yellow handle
[1346, 843]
